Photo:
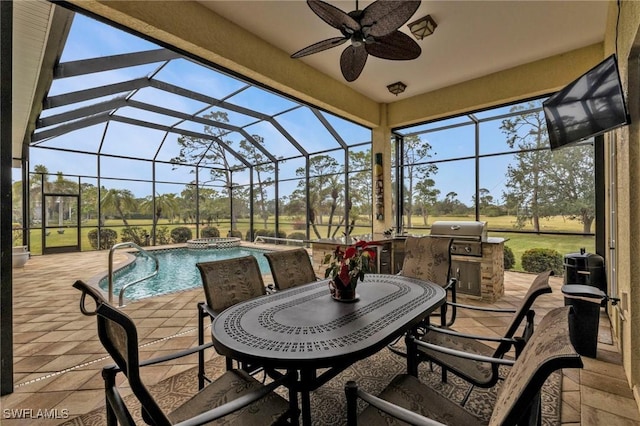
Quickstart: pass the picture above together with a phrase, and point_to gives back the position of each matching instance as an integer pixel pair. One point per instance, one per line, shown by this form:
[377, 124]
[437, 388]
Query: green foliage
[509, 258]
[135, 234]
[181, 234]
[209, 232]
[108, 237]
[235, 233]
[540, 259]
[257, 233]
[162, 235]
[297, 236]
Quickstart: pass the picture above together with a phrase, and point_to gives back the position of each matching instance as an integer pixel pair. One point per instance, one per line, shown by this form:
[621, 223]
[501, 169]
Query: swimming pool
[177, 270]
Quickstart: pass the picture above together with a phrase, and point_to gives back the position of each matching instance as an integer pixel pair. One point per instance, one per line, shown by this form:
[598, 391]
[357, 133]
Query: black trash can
[583, 325]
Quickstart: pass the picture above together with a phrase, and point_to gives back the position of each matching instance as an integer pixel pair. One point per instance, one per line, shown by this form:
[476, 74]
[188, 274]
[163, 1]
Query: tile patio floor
[57, 356]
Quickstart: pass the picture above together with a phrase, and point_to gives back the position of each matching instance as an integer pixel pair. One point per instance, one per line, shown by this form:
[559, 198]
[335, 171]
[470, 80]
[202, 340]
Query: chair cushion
[408, 392]
[480, 373]
[231, 385]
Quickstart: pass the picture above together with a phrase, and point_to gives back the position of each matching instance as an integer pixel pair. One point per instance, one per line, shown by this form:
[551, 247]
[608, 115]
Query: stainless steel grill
[468, 236]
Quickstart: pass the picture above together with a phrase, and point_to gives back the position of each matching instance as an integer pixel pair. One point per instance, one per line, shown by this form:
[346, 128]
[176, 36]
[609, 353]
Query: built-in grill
[468, 236]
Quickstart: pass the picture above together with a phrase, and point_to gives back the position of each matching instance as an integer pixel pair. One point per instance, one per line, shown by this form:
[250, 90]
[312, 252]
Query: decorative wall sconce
[379, 179]
[423, 27]
[397, 87]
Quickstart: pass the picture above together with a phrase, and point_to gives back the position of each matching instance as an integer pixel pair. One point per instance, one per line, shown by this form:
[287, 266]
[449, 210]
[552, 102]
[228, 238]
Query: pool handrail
[124, 287]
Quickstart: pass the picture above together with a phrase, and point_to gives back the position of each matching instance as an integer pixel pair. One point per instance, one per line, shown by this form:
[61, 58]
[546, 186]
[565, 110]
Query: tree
[425, 196]
[526, 180]
[572, 176]
[360, 186]
[326, 191]
[213, 153]
[118, 201]
[416, 152]
[38, 185]
[262, 167]
[164, 203]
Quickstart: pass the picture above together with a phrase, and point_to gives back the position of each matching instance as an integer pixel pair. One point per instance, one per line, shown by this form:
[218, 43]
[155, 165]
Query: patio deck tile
[58, 357]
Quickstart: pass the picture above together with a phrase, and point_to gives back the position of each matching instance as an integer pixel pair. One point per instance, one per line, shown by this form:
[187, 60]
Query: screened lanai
[138, 139]
[87, 158]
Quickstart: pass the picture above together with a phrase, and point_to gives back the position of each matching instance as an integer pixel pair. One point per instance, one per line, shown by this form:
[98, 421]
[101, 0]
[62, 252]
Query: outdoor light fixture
[423, 27]
[397, 87]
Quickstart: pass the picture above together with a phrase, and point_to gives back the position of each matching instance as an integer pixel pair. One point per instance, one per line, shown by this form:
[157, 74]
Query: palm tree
[165, 203]
[119, 201]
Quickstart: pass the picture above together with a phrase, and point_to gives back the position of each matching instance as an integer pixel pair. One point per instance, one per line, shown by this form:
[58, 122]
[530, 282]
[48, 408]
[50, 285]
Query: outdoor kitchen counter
[388, 251]
[479, 276]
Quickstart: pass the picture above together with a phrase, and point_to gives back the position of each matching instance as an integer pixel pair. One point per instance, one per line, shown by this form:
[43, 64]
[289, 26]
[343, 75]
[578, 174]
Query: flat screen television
[589, 106]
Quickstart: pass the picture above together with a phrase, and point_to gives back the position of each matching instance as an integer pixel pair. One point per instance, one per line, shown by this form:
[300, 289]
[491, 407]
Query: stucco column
[381, 144]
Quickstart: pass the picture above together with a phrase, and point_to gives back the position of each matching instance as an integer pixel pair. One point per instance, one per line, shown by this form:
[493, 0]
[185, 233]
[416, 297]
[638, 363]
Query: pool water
[177, 270]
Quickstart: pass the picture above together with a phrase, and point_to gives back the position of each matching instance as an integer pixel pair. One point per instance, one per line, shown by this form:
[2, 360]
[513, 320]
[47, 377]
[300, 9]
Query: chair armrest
[470, 336]
[462, 354]
[207, 310]
[451, 284]
[393, 410]
[152, 361]
[234, 405]
[175, 355]
[481, 308]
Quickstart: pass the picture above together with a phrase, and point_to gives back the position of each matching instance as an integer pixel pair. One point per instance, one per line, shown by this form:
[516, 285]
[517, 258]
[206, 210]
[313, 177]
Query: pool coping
[131, 256]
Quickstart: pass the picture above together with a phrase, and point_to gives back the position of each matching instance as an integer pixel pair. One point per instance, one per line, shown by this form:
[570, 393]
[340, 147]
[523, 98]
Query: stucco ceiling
[473, 38]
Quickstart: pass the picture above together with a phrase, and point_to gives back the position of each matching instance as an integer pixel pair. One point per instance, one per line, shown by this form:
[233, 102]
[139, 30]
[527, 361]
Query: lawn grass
[519, 243]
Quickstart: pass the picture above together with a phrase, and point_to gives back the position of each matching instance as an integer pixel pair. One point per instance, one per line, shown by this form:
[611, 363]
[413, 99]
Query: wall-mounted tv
[591, 105]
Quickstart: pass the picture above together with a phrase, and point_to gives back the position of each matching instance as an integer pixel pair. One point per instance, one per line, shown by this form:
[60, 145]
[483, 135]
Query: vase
[341, 292]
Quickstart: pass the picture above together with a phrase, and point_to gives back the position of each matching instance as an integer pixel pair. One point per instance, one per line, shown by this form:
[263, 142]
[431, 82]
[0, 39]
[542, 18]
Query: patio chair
[518, 402]
[225, 283]
[429, 258]
[290, 268]
[478, 373]
[233, 398]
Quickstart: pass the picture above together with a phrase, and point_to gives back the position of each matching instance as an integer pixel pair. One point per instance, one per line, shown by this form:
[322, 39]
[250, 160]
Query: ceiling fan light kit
[372, 31]
[397, 87]
[422, 27]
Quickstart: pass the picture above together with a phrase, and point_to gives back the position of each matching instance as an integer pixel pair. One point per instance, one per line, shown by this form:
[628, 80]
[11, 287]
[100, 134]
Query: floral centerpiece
[348, 266]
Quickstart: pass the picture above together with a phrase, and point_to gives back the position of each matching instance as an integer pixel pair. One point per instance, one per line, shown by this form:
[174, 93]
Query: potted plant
[348, 267]
[19, 254]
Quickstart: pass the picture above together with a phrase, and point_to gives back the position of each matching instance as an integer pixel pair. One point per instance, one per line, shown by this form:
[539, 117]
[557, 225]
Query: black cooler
[584, 289]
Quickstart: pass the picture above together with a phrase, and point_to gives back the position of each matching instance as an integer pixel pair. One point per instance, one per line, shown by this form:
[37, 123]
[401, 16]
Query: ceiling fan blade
[333, 16]
[352, 62]
[319, 46]
[384, 17]
[397, 46]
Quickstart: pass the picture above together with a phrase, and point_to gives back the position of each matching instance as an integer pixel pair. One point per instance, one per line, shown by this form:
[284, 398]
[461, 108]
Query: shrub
[181, 234]
[162, 235]
[509, 258]
[108, 237]
[297, 236]
[541, 259]
[209, 232]
[257, 233]
[135, 234]
[235, 233]
[281, 234]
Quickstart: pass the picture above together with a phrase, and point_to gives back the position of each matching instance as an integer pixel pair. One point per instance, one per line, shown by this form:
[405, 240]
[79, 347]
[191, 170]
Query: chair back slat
[290, 268]
[230, 281]
[549, 349]
[428, 258]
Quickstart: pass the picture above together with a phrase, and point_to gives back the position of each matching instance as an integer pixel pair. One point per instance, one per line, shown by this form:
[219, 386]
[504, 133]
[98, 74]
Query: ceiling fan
[372, 31]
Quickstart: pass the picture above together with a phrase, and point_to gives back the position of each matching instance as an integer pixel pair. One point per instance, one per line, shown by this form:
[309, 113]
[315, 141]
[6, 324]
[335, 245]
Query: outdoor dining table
[302, 329]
